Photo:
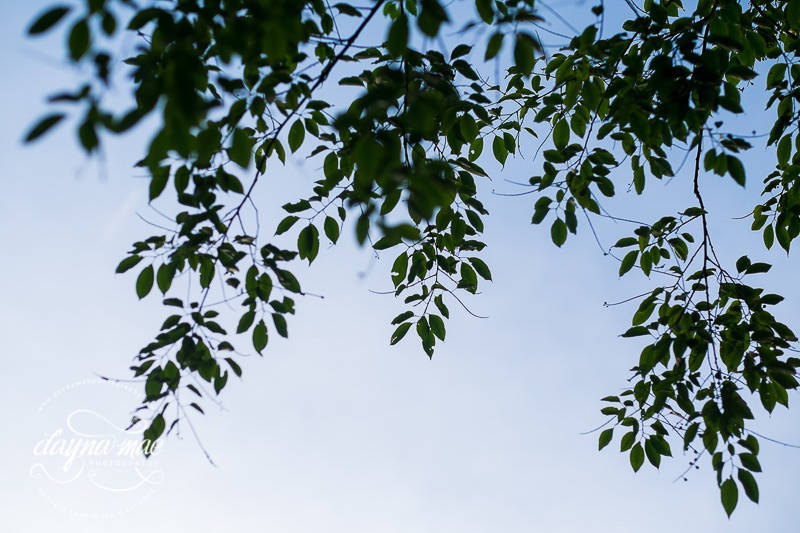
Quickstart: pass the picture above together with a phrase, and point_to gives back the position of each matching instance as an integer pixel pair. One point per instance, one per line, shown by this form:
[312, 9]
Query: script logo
[87, 465]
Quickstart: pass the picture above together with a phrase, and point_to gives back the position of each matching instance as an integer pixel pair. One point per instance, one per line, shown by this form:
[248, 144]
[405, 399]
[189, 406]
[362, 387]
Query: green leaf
[561, 134]
[469, 280]
[241, 149]
[128, 263]
[219, 382]
[627, 262]
[158, 182]
[286, 224]
[399, 333]
[793, 14]
[280, 324]
[652, 454]
[495, 43]
[481, 268]
[485, 10]
[627, 441]
[741, 72]
[525, 53]
[260, 336]
[749, 484]
[469, 128]
[43, 126]
[637, 456]
[437, 326]
[297, 207]
[777, 73]
[439, 302]
[207, 272]
[397, 39]
[288, 281]
[499, 149]
[758, 268]
[558, 232]
[297, 133]
[626, 242]
[402, 317]
[246, 321]
[729, 494]
[156, 428]
[145, 281]
[234, 366]
[79, 40]
[784, 150]
[769, 237]
[750, 462]
[48, 19]
[638, 179]
[87, 134]
[605, 438]
[399, 269]
[736, 170]
[459, 51]
[331, 228]
[308, 243]
[166, 272]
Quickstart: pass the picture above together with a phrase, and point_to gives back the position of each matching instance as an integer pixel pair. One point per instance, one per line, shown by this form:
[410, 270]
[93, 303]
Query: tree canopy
[403, 116]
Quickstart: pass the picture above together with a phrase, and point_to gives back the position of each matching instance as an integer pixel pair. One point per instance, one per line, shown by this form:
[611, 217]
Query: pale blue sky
[334, 430]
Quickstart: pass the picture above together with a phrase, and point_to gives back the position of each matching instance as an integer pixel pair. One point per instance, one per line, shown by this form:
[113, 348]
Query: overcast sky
[333, 430]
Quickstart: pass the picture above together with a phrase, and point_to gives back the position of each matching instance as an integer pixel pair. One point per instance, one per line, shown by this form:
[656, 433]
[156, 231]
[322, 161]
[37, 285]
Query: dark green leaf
[605, 438]
[561, 134]
[246, 321]
[128, 263]
[460, 50]
[499, 149]
[652, 454]
[558, 232]
[437, 326]
[260, 336]
[628, 261]
[524, 53]
[402, 317]
[495, 43]
[79, 40]
[286, 224]
[729, 493]
[749, 484]
[280, 324]
[158, 182]
[145, 281]
[48, 19]
[750, 462]
[736, 170]
[400, 332]
[637, 456]
[234, 366]
[241, 149]
[43, 126]
[784, 150]
[297, 133]
[166, 272]
[308, 243]
[627, 441]
[397, 40]
[331, 228]
[481, 268]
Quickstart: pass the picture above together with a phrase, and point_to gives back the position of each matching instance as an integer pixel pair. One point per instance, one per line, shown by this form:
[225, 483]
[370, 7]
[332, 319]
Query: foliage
[235, 84]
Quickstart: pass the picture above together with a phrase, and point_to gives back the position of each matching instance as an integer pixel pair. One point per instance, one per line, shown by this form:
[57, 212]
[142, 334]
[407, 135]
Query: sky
[333, 429]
